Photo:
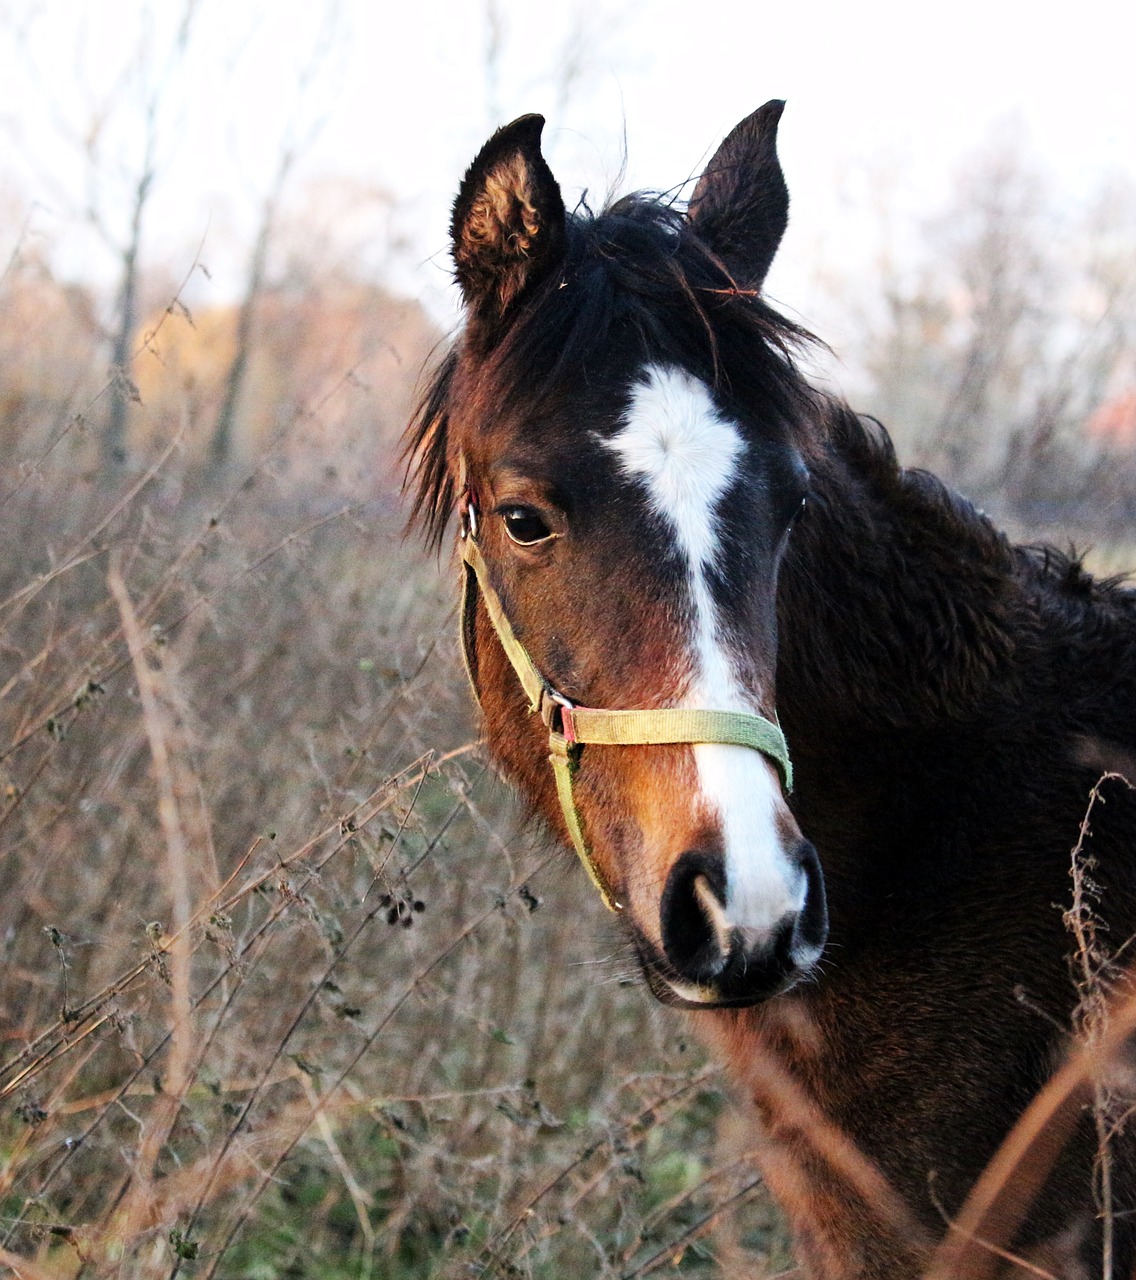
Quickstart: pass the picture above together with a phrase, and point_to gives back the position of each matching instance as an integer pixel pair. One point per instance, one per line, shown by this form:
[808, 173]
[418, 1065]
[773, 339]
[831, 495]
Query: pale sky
[392, 100]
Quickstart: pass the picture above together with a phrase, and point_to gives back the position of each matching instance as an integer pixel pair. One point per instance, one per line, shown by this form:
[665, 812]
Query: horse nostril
[697, 937]
[810, 929]
[740, 964]
[715, 912]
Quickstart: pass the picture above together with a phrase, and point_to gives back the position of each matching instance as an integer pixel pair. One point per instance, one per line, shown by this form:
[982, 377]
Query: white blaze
[686, 455]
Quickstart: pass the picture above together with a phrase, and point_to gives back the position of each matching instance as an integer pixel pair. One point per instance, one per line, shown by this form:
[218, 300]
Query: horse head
[626, 438]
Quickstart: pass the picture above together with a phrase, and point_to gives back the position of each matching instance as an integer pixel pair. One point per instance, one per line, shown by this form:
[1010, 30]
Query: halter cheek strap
[571, 727]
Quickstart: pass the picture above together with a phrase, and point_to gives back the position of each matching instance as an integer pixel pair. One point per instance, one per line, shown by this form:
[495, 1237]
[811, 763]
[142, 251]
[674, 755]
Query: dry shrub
[288, 987]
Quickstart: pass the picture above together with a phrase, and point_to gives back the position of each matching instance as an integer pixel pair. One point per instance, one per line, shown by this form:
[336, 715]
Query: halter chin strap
[571, 727]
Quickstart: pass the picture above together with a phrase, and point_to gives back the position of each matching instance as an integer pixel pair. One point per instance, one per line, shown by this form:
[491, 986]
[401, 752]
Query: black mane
[637, 275]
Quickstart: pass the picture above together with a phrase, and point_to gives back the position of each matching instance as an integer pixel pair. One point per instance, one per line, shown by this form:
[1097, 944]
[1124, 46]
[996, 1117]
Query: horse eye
[525, 526]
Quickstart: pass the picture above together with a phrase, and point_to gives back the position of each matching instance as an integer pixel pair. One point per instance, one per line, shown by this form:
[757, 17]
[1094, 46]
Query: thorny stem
[316, 989]
[459, 940]
[1095, 978]
[92, 1006]
[674, 1249]
[1007, 1186]
[117, 665]
[492, 1249]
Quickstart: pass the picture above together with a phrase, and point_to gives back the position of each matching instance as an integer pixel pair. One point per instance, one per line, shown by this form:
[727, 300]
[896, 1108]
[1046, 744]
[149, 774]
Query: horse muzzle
[711, 960]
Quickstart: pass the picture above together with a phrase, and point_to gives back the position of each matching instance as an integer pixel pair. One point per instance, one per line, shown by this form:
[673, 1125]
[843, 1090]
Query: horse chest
[855, 1148]
[798, 1082]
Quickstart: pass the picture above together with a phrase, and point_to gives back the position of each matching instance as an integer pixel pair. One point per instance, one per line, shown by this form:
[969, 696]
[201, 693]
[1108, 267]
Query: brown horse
[660, 516]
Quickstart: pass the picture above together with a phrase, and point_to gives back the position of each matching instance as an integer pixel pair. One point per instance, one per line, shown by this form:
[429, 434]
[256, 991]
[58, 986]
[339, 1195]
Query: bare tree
[299, 134]
[123, 141]
[572, 62]
[221, 444]
[1005, 331]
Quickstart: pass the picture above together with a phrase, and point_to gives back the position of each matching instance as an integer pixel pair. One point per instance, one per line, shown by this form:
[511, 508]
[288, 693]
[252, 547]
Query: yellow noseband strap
[570, 727]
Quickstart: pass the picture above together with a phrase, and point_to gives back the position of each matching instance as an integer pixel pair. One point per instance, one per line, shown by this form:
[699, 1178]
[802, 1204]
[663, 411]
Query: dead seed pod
[401, 910]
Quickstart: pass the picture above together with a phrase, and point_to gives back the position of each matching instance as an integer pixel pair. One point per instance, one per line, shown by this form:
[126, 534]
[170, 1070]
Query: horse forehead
[676, 444]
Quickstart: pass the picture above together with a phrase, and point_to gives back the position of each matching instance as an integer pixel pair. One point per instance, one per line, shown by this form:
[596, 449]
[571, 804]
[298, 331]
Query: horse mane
[425, 454]
[635, 273]
[866, 448]
[975, 604]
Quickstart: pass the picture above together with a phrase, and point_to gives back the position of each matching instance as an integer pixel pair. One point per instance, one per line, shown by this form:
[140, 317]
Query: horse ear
[740, 206]
[508, 223]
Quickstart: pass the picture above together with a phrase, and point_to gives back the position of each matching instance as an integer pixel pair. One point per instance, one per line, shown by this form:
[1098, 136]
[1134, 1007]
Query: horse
[822, 735]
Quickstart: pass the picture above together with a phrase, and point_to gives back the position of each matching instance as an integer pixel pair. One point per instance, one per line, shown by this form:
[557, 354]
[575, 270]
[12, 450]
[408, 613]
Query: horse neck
[898, 604]
[902, 633]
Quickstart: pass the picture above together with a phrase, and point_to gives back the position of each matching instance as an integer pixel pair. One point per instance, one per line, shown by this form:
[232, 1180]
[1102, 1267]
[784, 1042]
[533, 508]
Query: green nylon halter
[571, 727]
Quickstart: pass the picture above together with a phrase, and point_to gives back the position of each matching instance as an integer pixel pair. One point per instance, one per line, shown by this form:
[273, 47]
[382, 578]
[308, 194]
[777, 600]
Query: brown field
[289, 987]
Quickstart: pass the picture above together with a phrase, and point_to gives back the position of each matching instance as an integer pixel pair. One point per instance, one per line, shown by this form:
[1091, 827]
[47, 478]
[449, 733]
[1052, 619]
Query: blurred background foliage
[289, 987]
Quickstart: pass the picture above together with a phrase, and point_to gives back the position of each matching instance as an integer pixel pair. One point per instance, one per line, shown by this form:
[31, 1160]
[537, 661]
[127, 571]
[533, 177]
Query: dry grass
[288, 990]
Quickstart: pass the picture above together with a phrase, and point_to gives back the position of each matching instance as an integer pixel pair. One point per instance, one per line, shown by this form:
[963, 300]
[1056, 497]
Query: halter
[571, 727]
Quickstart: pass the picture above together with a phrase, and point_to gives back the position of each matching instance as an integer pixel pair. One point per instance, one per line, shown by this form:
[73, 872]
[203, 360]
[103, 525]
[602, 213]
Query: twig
[695, 1229]
[1008, 1185]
